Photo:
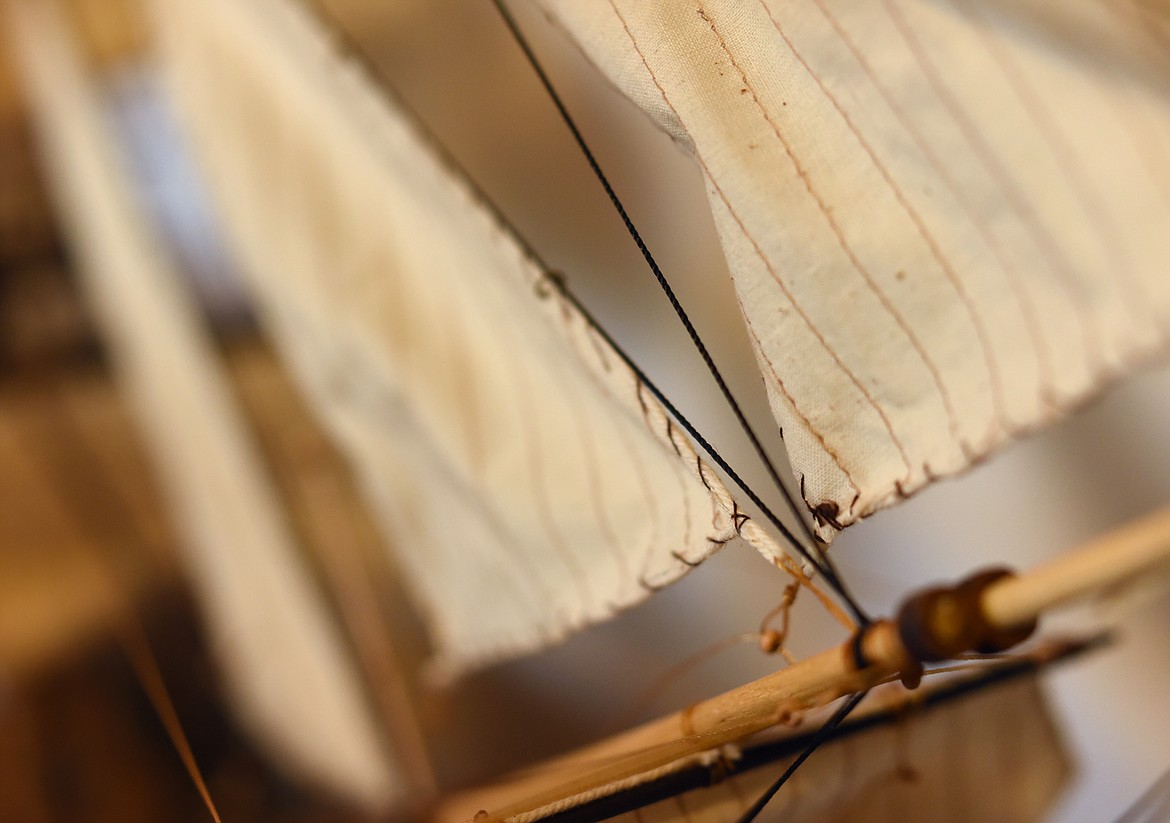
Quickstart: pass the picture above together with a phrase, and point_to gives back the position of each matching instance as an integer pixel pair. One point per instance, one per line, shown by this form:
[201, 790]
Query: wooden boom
[990, 611]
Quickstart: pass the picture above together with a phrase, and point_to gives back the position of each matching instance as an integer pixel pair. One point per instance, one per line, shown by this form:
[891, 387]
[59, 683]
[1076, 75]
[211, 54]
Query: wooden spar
[1103, 563]
[1004, 608]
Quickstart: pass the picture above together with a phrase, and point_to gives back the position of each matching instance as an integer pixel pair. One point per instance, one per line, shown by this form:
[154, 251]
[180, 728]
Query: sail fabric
[283, 661]
[528, 481]
[948, 221]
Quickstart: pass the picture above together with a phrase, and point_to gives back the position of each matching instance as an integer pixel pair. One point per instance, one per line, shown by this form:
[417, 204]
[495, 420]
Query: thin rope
[808, 547]
[825, 732]
[820, 561]
[667, 289]
[95, 499]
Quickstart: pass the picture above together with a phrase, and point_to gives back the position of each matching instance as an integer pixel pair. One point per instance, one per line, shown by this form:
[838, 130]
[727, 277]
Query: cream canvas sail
[529, 482]
[946, 221]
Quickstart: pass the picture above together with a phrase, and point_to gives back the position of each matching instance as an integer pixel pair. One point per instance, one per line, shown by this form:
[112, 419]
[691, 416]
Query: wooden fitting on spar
[939, 623]
[930, 625]
[943, 623]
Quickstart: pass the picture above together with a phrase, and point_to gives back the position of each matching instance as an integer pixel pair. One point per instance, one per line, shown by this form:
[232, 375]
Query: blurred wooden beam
[71, 564]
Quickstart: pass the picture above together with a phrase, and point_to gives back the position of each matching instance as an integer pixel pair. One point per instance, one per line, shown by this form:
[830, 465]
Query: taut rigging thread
[810, 553]
[808, 548]
[822, 735]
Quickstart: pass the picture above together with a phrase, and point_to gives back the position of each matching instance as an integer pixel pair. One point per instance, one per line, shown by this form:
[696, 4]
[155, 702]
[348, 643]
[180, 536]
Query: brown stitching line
[882, 297]
[643, 481]
[738, 518]
[603, 358]
[716, 543]
[596, 492]
[1149, 25]
[682, 480]
[945, 264]
[1024, 300]
[679, 473]
[767, 263]
[702, 474]
[813, 430]
[1057, 261]
[465, 378]
[544, 514]
[783, 287]
[521, 581]
[583, 430]
[639, 388]
[1091, 205]
[526, 586]
[1138, 128]
[688, 563]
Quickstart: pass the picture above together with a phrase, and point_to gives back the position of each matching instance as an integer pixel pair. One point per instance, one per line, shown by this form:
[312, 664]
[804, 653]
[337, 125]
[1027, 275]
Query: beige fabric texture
[291, 679]
[948, 221]
[528, 483]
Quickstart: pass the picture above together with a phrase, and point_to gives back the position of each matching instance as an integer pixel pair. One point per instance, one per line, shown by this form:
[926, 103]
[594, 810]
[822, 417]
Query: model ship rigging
[381, 356]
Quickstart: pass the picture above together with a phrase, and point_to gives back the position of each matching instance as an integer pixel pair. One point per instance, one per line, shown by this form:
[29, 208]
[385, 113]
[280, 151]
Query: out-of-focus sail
[293, 682]
[530, 483]
[947, 221]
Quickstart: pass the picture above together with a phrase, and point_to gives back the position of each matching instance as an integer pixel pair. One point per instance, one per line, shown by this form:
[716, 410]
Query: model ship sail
[909, 314]
[913, 328]
[529, 481]
[946, 221]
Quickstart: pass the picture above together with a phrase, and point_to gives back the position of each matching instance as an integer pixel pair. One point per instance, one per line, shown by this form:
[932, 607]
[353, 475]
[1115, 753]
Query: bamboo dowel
[1101, 564]
[703, 727]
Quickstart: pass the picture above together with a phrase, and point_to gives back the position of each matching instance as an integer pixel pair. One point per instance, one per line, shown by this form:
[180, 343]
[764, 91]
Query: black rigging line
[636, 236]
[821, 560]
[445, 157]
[822, 563]
[825, 732]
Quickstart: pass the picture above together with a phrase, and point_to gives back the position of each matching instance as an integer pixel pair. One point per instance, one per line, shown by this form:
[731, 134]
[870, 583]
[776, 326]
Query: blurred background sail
[995, 513]
[266, 620]
[529, 484]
